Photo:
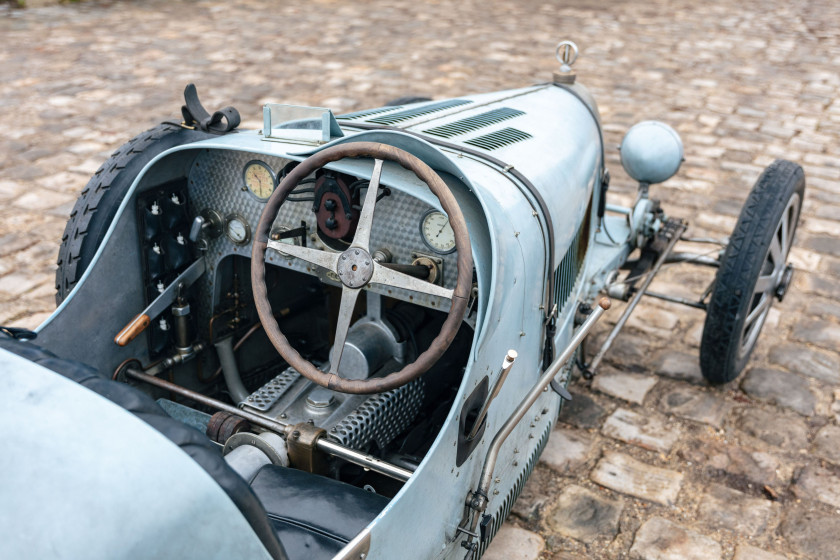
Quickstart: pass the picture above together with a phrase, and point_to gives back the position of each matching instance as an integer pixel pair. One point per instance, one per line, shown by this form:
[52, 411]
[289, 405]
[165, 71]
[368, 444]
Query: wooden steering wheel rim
[460, 295]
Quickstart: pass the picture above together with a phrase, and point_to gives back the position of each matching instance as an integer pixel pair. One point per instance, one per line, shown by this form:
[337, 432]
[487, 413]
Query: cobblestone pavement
[670, 469]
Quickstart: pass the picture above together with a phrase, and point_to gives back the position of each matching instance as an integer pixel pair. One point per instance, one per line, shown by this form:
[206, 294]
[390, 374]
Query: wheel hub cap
[355, 267]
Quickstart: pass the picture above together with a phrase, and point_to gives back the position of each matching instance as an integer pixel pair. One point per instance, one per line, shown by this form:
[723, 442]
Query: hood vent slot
[368, 112]
[498, 138]
[474, 122]
[414, 112]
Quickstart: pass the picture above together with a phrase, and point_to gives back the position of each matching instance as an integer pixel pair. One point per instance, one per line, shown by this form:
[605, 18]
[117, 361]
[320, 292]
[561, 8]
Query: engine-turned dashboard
[320, 213]
[216, 210]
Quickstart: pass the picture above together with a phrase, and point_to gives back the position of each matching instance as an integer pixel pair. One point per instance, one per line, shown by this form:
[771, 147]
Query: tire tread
[740, 267]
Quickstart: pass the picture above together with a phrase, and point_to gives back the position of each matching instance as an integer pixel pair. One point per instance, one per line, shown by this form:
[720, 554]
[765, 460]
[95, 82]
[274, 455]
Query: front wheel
[753, 271]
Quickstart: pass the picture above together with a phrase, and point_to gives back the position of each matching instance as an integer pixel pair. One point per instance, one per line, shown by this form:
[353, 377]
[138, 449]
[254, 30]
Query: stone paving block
[825, 244]
[10, 189]
[825, 286]
[818, 483]
[582, 411]
[811, 533]
[827, 443]
[629, 347]
[42, 199]
[747, 552]
[782, 430]
[823, 308]
[584, 515]
[645, 430]
[653, 320]
[532, 498]
[17, 284]
[567, 450]
[631, 387]
[725, 508]
[779, 387]
[661, 539]
[701, 406]
[513, 543]
[806, 361]
[758, 467]
[624, 474]
[63, 181]
[680, 366]
[820, 333]
[87, 167]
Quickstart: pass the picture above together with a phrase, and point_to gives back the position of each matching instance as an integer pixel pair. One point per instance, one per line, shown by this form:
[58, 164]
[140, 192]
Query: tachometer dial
[437, 232]
[259, 178]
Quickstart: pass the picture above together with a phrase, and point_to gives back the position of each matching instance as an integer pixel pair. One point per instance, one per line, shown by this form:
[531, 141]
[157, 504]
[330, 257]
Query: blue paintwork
[80, 465]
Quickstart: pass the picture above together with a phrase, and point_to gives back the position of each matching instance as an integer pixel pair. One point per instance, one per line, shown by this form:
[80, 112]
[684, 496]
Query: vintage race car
[346, 336]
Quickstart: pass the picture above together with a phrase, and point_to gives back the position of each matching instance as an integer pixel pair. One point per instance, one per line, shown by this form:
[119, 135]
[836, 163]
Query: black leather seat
[314, 516]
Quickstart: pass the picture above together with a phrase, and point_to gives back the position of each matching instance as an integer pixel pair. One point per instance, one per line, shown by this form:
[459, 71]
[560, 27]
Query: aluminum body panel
[87, 479]
[510, 253]
[563, 158]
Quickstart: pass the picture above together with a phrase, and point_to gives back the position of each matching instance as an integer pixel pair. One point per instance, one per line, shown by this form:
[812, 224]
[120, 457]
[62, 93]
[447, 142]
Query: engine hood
[550, 134]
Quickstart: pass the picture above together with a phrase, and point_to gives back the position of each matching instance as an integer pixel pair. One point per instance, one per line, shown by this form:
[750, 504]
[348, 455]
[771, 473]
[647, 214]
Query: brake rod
[280, 428]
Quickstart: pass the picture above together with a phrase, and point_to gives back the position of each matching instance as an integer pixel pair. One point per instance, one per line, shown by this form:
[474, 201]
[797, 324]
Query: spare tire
[99, 200]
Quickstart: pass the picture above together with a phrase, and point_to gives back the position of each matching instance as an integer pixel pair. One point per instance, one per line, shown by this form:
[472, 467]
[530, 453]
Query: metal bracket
[660, 246]
[302, 441]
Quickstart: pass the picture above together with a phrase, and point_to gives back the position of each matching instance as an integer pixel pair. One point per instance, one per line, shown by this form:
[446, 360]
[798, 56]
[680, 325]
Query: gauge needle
[441, 228]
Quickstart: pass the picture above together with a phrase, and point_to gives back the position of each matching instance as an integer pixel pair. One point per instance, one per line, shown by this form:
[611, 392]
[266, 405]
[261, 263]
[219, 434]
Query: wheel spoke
[394, 279]
[362, 237]
[345, 313]
[785, 231]
[312, 256]
[776, 252]
[762, 306]
[765, 283]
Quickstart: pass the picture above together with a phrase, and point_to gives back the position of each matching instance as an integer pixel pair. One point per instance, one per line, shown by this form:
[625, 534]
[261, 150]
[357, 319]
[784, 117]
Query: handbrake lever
[161, 303]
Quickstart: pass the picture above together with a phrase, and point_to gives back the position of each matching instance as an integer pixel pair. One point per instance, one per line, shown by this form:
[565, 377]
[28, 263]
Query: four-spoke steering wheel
[356, 268]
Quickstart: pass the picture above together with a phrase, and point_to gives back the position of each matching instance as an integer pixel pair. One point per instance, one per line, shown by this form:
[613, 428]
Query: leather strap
[194, 113]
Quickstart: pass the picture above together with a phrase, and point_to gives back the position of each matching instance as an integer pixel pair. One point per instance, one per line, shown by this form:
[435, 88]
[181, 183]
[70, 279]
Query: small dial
[437, 232]
[259, 179]
[237, 229]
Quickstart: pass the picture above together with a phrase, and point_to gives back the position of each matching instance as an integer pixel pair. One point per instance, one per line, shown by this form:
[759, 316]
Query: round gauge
[259, 178]
[437, 232]
[237, 229]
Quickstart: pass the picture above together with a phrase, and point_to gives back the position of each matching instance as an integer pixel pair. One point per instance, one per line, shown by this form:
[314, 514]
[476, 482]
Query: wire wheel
[753, 272]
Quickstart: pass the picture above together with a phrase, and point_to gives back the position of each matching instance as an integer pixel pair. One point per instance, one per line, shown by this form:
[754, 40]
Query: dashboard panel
[216, 182]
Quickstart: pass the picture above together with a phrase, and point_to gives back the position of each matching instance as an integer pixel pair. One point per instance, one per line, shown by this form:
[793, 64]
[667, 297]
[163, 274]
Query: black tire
[99, 200]
[407, 100]
[757, 250]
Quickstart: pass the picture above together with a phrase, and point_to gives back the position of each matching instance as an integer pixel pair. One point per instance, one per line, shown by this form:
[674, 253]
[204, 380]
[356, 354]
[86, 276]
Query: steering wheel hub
[355, 267]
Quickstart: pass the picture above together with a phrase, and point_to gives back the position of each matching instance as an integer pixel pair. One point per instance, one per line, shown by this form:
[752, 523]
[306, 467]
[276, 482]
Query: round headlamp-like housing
[651, 152]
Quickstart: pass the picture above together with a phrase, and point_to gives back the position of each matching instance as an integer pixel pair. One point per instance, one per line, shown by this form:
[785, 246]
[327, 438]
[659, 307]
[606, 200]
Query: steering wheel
[356, 268]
